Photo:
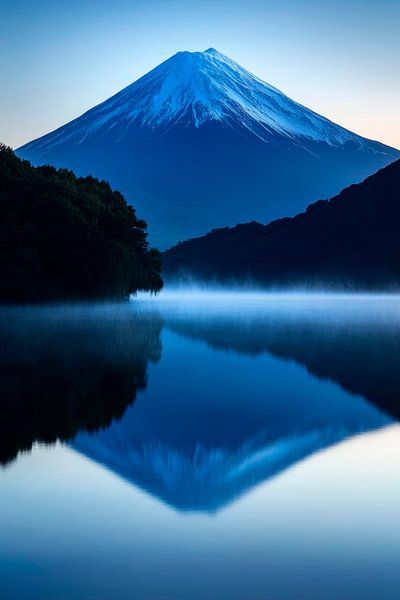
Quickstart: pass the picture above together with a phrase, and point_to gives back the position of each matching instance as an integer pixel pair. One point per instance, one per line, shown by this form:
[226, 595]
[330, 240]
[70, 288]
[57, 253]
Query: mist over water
[294, 303]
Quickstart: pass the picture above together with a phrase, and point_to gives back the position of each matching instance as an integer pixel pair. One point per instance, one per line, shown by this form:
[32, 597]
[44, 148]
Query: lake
[201, 445]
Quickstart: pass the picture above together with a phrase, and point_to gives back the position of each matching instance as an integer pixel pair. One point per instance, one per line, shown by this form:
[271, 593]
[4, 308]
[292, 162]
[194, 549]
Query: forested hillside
[67, 237]
[350, 241]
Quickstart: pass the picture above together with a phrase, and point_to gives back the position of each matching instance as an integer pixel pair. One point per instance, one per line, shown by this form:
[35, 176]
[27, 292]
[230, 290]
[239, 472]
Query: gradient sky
[59, 58]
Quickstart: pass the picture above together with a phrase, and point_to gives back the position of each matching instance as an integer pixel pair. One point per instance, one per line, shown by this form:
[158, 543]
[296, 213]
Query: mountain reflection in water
[228, 402]
[221, 422]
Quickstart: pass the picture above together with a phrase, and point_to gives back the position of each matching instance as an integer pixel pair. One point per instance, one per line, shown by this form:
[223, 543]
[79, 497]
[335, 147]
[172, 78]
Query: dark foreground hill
[68, 237]
[351, 241]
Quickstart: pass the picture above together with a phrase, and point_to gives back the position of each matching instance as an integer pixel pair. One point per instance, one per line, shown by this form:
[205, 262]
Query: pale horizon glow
[338, 58]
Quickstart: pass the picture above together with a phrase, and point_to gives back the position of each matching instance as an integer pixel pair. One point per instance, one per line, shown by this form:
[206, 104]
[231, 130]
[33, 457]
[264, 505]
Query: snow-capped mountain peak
[199, 142]
[195, 88]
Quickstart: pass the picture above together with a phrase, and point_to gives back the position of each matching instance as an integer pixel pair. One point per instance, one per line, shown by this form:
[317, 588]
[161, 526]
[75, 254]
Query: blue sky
[340, 58]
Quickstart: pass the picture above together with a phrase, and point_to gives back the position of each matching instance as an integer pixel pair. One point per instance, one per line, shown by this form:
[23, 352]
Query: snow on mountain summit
[193, 88]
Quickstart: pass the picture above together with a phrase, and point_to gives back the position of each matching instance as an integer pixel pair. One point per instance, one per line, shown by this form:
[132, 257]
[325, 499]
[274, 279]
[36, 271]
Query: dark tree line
[67, 237]
[68, 370]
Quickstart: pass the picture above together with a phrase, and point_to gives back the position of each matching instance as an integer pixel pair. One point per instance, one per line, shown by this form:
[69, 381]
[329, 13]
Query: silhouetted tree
[67, 237]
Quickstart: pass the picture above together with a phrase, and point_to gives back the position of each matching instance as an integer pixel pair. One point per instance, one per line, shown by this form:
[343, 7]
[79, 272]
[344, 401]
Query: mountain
[199, 142]
[348, 241]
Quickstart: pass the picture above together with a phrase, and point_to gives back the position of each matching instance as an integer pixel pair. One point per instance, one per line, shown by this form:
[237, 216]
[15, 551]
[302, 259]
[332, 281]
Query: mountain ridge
[347, 241]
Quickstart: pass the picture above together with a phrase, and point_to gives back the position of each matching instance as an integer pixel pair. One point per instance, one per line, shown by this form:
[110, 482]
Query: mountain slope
[350, 240]
[200, 142]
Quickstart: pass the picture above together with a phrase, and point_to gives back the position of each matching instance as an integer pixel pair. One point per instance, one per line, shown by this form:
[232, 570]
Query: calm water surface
[207, 445]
